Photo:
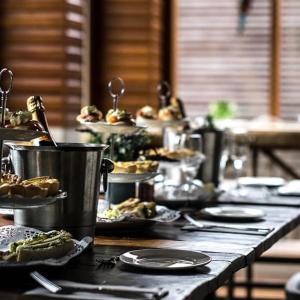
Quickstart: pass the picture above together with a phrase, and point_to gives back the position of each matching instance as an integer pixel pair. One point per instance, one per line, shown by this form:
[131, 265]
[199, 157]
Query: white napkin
[40, 291]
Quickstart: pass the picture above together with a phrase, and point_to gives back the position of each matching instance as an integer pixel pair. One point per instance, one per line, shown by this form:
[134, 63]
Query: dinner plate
[271, 182]
[130, 177]
[290, 189]
[233, 213]
[20, 202]
[103, 127]
[163, 214]
[11, 233]
[165, 259]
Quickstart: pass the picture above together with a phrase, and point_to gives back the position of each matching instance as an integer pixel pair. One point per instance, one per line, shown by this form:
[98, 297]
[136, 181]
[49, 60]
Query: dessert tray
[20, 202]
[11, 233]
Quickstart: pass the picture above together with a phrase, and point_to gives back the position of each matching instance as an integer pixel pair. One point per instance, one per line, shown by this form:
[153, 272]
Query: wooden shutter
[127, 42]
[41, 42]
[290, 68]
[217, 62]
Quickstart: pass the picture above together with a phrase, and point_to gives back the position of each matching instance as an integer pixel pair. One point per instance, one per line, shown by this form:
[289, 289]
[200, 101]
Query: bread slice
[29, 253]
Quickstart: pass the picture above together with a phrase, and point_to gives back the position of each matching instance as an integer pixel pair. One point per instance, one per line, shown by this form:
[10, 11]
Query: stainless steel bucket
[78, 168]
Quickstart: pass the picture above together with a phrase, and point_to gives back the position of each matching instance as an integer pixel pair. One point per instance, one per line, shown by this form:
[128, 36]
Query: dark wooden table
[230, 252]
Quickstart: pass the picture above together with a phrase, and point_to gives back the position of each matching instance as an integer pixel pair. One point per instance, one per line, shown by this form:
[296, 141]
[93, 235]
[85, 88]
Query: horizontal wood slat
[42, 43]
[133, 49]
[216, 62]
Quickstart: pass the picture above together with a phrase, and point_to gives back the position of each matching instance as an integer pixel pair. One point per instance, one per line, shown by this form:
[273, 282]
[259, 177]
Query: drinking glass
[191, 164]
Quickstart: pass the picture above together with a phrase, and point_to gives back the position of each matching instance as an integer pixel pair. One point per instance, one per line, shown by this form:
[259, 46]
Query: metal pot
[78, 167]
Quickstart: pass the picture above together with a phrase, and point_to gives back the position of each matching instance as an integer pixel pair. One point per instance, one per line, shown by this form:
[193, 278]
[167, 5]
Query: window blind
[290, 68]
[217, 62]
[42, 42]
[130, 46]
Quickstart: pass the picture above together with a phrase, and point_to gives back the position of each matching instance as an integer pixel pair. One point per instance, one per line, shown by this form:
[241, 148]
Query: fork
[107, 262]
[157, 293]
[230, 227]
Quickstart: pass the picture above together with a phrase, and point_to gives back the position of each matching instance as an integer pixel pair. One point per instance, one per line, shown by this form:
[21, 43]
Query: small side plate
[165, 259]
[19, 202]
[233, 213]
[271, 182]
[103, 127]
[130, 177]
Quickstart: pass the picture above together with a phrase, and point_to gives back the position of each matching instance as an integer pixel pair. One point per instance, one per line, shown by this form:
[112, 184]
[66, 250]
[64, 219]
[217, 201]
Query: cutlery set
[156, 293]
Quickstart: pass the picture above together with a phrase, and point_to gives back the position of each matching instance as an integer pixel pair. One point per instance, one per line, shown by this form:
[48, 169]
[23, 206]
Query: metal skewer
[4, 95]
[116, 97]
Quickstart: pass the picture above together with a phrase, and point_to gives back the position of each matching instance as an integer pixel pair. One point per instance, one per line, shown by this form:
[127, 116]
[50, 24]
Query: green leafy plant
[223, 110]
[126, 147]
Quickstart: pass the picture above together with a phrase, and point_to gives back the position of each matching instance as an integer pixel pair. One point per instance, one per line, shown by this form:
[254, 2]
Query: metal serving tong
[5, 89]
[164, 92]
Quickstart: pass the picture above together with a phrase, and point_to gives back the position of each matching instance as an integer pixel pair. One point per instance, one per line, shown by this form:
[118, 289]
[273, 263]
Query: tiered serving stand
[16, 201]
[114, 130]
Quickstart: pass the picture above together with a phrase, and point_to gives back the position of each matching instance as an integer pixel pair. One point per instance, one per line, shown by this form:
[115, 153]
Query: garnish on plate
[21, 119]
[119, 117]
[89, 113]
[132, 207]
[52, 244]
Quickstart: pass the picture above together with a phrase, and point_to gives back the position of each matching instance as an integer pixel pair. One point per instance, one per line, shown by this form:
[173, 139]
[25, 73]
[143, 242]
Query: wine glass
[190, 164]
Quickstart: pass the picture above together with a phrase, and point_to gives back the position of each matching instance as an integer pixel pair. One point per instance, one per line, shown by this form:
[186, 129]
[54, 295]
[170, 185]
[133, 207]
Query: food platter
[11, 233]
[19, 134]
[165, 259]
[163, 215]
[104, 127]
[20, 202]
[130, 177]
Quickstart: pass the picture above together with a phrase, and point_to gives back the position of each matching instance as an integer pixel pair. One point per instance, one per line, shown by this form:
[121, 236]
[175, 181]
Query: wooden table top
[230, 252]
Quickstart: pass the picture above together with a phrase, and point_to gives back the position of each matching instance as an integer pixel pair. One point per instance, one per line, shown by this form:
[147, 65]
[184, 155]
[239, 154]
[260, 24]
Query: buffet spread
[33, 184]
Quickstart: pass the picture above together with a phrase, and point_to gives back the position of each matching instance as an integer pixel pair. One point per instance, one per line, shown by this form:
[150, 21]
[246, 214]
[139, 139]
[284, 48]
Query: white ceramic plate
[103, 127]
[163, 214]
[233, 213]
[130, 177]
[6, 212]
[19, 202]
[290, 189]
[261, 181]
[11, 233]
[165, 259]
[159, 123]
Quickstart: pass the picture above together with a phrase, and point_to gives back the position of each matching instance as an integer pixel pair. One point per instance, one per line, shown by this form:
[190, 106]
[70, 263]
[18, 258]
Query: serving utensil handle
[107, 166]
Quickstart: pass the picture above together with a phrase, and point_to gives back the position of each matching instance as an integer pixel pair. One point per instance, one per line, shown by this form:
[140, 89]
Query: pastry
[135, 166]
[22, 120]
[167, 155]
[90, 113]
[119, 117]
[169, 113]
[147, 112]
[124, 167]
[52, 244]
